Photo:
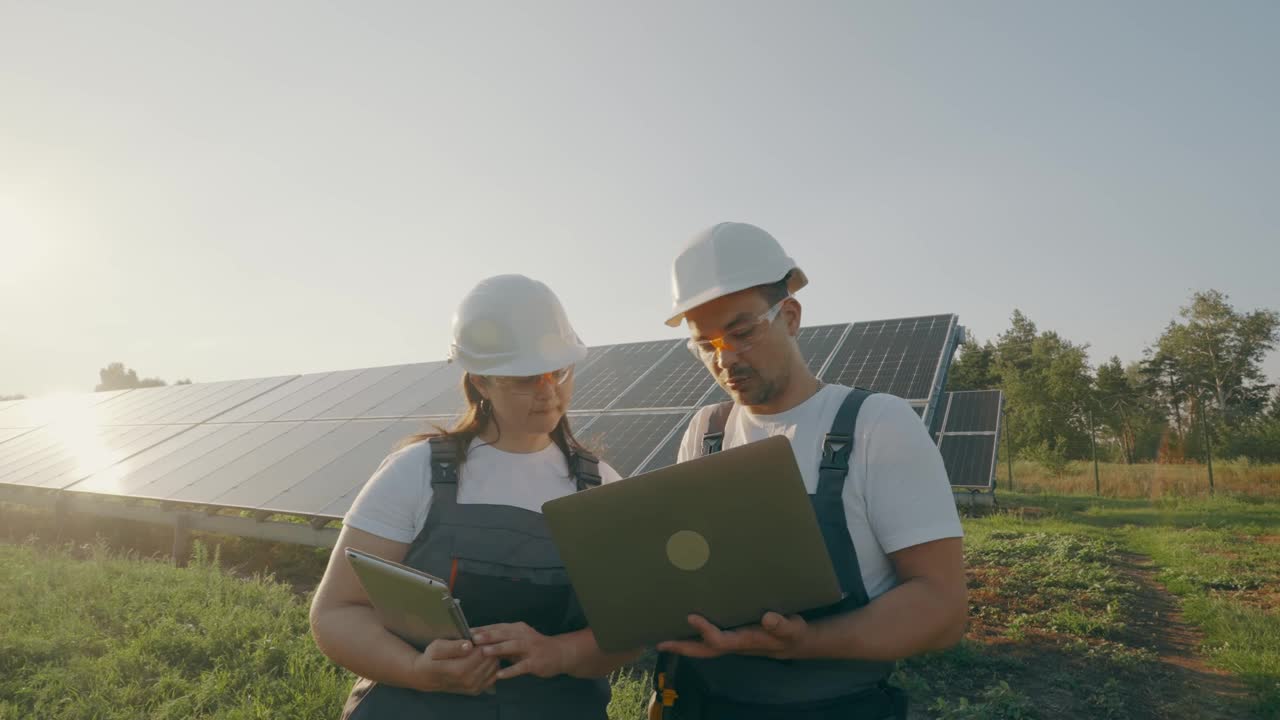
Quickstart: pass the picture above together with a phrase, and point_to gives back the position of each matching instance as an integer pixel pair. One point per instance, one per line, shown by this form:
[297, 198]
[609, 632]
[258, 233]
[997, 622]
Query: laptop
[729, 536]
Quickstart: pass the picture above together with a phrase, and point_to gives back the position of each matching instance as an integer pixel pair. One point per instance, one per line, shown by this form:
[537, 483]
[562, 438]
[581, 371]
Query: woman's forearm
[353, 637]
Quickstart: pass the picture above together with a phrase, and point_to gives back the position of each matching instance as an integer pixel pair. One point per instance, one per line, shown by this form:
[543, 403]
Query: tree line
[1199, 387]
[115, 376]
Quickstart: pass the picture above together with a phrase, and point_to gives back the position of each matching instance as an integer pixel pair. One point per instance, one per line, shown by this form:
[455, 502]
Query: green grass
[1229, 579]
[1058, 587]
[88, 633]
[1047, 585]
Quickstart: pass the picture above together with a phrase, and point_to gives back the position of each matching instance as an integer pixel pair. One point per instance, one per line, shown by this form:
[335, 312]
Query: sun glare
[73, 422]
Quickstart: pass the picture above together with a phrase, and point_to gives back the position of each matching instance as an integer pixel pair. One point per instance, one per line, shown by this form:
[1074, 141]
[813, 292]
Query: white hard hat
[724, 259]
[513, 325]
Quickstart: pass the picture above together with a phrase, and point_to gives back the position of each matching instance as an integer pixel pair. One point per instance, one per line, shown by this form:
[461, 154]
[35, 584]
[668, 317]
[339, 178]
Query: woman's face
[533, 404]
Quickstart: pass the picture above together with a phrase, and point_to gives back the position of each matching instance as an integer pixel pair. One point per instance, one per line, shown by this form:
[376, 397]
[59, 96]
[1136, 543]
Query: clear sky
[240, 189]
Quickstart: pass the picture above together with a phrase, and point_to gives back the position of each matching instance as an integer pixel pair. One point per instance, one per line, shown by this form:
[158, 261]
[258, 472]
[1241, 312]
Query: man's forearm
[915, 617]
[585, 659]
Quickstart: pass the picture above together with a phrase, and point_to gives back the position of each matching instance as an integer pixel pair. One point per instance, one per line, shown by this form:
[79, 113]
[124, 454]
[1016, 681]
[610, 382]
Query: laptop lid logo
[688, 550]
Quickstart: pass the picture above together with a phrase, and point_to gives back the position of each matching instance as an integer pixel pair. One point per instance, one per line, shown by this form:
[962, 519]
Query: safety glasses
[740, 339]
[529, 384]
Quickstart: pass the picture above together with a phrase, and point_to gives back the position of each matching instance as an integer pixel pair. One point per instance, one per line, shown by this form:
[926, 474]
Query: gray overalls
[503, 566]
[758, 688]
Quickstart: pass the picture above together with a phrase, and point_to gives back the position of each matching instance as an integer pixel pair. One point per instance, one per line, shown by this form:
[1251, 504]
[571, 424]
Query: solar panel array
[305, 444]
[966, 427]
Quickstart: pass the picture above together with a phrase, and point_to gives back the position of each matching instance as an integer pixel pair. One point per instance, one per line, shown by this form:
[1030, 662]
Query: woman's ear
[480, 384]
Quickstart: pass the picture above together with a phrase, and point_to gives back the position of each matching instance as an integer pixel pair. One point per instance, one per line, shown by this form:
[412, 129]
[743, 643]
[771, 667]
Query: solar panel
[330, 490]
[136, 475]
[448, 401]
[58, 456]
[967, 430]
[605, 380]
[973, 411]
[625, 441]
[670, 450]
[306, 444]
[818, 342]
[408, 401]
[184, 404]
[9, 434]
[970, 459]
[36, 412]
[678, 380]
[900, 357]
[285, 462]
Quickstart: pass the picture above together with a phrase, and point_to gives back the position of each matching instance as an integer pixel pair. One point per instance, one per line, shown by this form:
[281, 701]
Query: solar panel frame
[964, 415]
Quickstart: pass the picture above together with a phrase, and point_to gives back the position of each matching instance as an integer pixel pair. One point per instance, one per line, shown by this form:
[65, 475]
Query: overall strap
[837, 449]
[585, 469]
[713, 439]
[444, 473]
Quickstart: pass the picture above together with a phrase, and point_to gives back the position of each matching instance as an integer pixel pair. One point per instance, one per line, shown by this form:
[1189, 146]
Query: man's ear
[796, 312]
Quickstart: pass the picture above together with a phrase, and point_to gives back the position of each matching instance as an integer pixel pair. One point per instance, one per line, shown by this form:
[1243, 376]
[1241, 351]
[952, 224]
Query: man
[888, 518]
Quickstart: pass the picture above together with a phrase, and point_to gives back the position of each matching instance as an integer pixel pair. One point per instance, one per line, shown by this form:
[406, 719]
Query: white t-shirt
[896, 494]
[395, 501]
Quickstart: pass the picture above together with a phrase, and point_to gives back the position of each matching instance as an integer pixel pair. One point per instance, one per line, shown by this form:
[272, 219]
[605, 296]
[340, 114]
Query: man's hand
[778, 637]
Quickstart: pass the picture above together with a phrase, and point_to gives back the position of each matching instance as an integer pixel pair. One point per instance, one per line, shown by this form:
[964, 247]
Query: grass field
[1145, 480]
[1081, 607]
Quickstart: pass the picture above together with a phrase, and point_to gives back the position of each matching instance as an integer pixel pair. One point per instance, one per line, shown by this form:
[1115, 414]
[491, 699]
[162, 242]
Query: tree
[117, 377]
[975, 368]
[1126, 411]
[1048, 388]
[1217, 353]
[1163, 382]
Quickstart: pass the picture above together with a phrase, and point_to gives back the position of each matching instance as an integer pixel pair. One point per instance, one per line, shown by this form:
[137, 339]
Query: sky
[239, 189]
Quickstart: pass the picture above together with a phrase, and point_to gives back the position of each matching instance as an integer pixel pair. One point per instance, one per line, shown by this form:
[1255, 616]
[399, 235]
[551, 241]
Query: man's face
[755, 364]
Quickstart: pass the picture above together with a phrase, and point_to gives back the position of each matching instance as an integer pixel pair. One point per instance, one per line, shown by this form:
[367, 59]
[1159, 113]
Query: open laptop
[729, 536]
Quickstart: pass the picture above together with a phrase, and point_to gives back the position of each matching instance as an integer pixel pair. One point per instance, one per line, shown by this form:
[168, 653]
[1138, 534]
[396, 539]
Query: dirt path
[1158, 625]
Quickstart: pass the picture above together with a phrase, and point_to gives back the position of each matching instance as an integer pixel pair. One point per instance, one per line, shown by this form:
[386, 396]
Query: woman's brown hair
[476, 420]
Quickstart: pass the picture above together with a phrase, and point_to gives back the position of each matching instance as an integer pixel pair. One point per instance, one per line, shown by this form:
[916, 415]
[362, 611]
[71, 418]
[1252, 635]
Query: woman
[465, 505]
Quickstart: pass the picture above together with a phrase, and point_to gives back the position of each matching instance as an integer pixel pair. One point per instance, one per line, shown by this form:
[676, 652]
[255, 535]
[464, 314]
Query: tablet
[414, 605]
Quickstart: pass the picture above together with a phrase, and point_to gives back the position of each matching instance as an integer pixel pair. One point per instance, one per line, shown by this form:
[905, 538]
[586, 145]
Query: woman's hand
[529, 651]
[454, 666]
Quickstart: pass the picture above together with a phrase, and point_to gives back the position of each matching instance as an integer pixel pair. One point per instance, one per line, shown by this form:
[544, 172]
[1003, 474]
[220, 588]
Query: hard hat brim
[796, 279]
[550, 360]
